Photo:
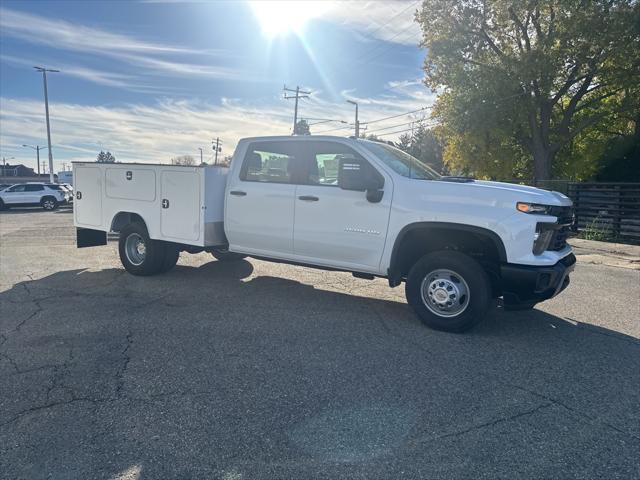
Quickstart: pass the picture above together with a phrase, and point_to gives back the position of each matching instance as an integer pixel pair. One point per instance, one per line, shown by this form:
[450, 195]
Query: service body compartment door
[131, 183]
[87, 205]
[181, 204]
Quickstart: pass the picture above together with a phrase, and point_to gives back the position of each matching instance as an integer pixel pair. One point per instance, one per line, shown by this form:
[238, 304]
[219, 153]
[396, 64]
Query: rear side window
[34, 188]
[55, 187]
[270, 162]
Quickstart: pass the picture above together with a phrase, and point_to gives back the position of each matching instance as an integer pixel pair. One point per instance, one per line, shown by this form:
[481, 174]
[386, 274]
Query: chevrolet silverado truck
[344, 204]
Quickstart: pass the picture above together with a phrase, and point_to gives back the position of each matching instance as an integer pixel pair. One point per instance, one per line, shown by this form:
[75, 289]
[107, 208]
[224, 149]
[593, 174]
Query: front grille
[564, 214]
[559, 239]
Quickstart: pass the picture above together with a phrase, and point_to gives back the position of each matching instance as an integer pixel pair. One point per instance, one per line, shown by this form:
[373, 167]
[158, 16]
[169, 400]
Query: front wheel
[449, 291]
[138, 253]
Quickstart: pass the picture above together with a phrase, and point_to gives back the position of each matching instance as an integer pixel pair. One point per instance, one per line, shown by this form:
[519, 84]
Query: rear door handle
[308, 198]
[238, 193]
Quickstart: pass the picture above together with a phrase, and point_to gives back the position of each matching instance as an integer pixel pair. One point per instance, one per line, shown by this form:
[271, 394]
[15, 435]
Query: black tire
[224, 255]
[3, 206]
[49, 203]
[171, 255]
[455, 285]
[148, 263]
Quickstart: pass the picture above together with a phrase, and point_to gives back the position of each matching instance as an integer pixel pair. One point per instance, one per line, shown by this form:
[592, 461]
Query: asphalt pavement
[256, 370]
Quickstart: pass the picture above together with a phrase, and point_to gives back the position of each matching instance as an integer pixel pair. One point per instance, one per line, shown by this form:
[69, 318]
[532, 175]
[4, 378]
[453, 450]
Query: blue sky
[150, 80]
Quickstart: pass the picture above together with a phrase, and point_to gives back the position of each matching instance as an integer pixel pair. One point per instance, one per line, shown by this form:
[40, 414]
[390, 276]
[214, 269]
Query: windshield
[401, 162]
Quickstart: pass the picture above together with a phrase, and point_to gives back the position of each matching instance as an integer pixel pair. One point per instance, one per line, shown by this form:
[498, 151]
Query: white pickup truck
[339, 204]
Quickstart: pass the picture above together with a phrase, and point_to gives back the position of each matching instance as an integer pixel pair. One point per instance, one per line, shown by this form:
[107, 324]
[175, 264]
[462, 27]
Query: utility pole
[43, 169]
[37, 149]
[296, 96]
[46, 108]
[357, 121]
[217, 148]
[201, 162]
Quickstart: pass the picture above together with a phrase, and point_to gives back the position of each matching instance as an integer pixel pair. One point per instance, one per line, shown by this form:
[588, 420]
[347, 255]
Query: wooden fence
[607, 211]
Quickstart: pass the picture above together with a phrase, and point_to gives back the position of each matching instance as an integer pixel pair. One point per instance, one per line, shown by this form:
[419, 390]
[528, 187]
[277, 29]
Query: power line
[378, 119]
[394, 126]
[404, 130]
[396, 116]
[393, 18]
[384, 48]
[337, 128]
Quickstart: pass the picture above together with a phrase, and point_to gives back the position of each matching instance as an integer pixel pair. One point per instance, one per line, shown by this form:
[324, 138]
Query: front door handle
[238, 193]
[308, 198]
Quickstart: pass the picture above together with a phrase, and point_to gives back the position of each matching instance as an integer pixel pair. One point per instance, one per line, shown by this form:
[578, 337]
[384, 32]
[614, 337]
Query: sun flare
[279, 17]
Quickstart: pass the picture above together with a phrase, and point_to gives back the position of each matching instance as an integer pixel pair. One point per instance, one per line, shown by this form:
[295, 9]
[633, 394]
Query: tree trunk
[542, 158]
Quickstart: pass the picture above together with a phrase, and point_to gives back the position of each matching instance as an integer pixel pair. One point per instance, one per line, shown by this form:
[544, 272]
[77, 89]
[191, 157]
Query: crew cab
[340, 204]
[48, 195]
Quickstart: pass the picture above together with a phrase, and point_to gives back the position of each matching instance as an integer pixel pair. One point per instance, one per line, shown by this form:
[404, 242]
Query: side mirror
[356, 174]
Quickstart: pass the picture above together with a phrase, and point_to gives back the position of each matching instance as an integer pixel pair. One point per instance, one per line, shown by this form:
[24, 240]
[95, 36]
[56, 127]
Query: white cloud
[389, 21]
[155, 133]
[148, 55]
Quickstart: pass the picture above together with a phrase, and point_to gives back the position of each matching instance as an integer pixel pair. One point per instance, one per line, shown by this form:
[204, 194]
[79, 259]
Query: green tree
[302, 128]
[187, 160]
[105, 157]
[528, 77]
[423, 144]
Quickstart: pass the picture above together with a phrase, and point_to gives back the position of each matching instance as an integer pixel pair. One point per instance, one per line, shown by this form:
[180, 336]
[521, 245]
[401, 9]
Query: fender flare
[394, 273]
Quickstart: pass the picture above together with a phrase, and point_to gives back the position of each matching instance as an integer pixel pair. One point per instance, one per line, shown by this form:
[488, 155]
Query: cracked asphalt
[258, 370]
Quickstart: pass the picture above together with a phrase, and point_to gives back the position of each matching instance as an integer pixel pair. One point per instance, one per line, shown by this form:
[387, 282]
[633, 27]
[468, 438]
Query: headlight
[534, 208]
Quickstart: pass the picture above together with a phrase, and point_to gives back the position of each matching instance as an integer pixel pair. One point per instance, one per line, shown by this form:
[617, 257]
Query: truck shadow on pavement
[211, 371]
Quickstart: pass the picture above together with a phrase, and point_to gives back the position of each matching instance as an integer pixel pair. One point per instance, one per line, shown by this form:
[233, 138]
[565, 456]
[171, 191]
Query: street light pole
[201, 162]
[46, 108]
[357, 121]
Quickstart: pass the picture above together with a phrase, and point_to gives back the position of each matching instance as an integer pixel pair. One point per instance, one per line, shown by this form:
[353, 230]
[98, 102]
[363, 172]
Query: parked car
[457, 243]
[62, 187]
[48, 196]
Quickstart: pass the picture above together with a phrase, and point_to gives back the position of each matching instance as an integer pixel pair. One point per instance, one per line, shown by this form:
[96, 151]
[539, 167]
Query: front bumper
[525, 284]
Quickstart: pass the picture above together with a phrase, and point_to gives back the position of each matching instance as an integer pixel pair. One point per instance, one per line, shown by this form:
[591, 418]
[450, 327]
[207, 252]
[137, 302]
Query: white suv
[48, 196]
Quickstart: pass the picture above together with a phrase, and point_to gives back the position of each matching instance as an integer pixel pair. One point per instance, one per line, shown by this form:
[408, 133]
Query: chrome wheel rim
[48, 204]
[445, 293]
[135, 249]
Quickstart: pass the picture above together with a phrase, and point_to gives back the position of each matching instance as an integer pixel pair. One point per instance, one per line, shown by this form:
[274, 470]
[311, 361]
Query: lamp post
[357, 121]
[37, 149]
[201, 161]
[46, 109]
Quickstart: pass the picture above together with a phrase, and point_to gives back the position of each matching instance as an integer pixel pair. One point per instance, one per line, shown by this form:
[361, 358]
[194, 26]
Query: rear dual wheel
[140, 255]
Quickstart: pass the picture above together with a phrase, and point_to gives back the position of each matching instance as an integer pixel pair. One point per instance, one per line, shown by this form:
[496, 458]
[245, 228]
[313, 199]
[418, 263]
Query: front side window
[16, 188]
[322, 160]
[400, 162]
[271, 162]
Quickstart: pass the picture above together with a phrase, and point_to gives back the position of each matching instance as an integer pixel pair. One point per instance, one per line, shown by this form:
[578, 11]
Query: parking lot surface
[257, 370]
